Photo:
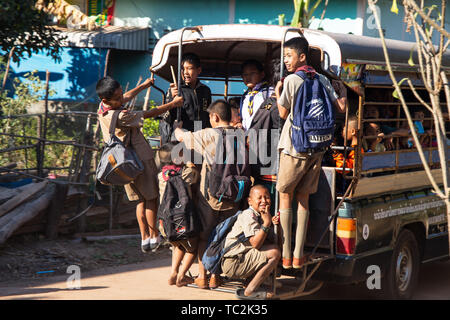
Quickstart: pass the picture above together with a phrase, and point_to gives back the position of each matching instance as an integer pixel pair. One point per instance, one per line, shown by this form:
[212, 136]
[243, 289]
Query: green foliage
[28, 92]
[151, 126]
[25, 28]
[303, 14]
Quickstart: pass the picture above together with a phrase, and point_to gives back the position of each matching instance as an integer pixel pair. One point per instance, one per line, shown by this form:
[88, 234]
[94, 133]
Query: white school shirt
[257, 102]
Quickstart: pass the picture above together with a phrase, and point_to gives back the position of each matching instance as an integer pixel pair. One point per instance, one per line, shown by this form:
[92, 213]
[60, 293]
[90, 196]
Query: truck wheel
[402, 275]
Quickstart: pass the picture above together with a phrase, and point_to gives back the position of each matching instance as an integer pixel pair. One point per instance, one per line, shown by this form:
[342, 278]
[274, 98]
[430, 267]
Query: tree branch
[436, 188]
[427, 19]
[418, 97]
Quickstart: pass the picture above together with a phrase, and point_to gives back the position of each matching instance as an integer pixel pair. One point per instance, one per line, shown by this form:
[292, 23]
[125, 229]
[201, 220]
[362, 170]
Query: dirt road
[148, 280]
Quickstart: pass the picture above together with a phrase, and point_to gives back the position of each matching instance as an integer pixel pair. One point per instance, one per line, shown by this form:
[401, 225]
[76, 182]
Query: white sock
[146, 241]
[154, 240]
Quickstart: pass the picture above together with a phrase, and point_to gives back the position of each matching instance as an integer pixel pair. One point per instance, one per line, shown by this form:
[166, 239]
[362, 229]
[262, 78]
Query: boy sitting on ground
[129, 123]
[183, 251]
[258, 256]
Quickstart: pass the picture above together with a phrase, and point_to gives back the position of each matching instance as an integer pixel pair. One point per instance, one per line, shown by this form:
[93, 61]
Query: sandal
[202, 283]
[184, 281]
[215, 282]
[257, 295]
[299, 262]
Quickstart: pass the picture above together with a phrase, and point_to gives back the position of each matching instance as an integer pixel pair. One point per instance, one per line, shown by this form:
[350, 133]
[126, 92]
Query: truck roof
[223, 47]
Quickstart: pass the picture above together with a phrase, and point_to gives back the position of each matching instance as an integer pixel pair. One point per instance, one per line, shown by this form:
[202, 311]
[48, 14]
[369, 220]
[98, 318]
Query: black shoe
[146, 248]
[156, 245]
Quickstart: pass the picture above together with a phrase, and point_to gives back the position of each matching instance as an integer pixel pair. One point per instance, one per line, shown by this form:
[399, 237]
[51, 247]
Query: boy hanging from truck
[299, 171]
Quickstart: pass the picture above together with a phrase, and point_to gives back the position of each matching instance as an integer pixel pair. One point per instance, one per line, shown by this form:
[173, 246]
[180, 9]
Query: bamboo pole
[105, 72]
[44, 125]
[147, 95]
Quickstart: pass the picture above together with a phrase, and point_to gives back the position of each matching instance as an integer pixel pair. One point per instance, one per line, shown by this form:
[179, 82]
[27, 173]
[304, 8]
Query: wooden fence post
[55, 210]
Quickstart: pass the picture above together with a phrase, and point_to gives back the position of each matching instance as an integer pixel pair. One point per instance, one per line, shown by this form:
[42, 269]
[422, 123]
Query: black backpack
[229, 178]
[176, 212]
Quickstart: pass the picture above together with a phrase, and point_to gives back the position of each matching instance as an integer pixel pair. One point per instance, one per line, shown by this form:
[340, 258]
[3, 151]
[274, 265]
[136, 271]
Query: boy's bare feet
[259, 294]
[173, 279]
[181, 282]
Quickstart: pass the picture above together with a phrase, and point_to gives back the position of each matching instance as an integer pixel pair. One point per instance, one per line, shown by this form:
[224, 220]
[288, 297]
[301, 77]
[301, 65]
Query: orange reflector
[346, 224]
[346, 236]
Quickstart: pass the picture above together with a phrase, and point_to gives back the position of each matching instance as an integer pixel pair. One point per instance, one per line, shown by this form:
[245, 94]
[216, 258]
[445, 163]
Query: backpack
[313, 116]
[229, 179]
[176, 213]
[119, 164]
[215, 249]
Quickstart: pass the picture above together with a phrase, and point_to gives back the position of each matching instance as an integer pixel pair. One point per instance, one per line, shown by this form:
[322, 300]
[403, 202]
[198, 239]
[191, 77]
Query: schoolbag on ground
[229, 178]
[119, 164]
[313, 116]
[215, 250]
[176, 212]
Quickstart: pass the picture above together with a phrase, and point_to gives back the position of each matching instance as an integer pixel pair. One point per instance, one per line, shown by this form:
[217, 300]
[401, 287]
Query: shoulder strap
[112, 127]
[301, 74]
[241, 238]
[266, 89]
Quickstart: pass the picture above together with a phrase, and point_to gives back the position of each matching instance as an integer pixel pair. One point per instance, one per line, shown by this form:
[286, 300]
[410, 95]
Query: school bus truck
[379, 216]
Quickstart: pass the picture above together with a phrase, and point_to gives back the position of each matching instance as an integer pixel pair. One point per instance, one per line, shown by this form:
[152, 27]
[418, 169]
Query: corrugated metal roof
[122, 38]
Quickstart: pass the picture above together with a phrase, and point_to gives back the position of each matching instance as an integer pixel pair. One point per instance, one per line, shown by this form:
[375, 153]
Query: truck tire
[402, 274]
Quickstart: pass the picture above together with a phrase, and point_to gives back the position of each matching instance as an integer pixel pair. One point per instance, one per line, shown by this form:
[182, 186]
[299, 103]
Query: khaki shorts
[244, 265]
[209, 217]
[301, 175]
[145, 187]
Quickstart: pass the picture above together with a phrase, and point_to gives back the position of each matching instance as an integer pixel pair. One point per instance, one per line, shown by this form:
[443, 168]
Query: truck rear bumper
[351, 269]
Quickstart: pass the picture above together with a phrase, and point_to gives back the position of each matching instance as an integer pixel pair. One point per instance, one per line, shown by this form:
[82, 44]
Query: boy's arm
[177, 131]
[341, 90]
[130, 94]
[284, 112]
[154, 112]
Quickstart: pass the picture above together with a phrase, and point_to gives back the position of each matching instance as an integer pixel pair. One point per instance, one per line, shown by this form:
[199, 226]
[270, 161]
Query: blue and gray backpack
[215, 250]
[313, 116]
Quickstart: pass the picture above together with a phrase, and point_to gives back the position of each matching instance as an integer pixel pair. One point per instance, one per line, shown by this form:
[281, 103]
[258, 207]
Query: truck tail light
[345, 236]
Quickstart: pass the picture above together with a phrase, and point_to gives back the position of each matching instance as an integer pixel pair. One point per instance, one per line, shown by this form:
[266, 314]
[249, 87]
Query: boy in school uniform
[211, 210]
[129, 123]
[265, 121]
[196, 95]
[258, 91]
[255, 258]
[183, 251]
[298, 173]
